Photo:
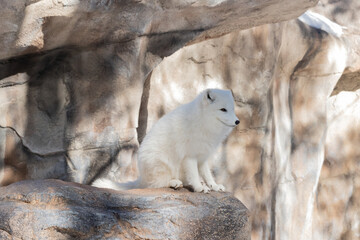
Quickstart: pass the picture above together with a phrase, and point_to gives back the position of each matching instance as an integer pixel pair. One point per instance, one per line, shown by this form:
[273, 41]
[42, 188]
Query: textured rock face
[52, 209]
[337, 209]
[72, 75]
[77, 112]
[33, 26]
[282, 76]
[345, 13]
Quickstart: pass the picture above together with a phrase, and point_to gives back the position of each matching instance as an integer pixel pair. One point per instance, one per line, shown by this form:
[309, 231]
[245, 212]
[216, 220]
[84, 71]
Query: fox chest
[198, 147]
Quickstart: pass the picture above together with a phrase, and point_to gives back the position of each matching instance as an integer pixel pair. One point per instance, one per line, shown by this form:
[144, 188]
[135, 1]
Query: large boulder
[53, 209]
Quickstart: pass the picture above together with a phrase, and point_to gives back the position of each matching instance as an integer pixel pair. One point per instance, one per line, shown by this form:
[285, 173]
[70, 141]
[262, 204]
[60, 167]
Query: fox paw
[175, 183]
[202, 188]
[217, 187]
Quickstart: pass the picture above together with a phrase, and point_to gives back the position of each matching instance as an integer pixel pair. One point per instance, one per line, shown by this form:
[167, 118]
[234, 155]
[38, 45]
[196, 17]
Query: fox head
[219, 104]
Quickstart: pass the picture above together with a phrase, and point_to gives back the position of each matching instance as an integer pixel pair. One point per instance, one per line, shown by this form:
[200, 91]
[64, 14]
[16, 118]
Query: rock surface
[72, 76]
[282, 76]
[337, 208]
[52, 209]
[76, 105]
[43, 25]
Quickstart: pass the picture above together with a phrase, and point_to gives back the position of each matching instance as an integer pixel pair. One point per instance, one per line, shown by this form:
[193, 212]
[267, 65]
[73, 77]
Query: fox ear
[209, 96]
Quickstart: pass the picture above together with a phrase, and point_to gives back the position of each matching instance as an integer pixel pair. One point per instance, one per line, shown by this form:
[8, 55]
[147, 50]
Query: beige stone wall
[282, 76]
[76, 95]
[73, 76]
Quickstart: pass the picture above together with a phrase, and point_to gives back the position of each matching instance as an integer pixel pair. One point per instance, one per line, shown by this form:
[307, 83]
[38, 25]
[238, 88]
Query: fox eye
[223, 110]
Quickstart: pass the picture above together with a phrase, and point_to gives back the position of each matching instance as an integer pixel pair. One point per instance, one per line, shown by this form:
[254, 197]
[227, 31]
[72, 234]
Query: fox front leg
[206, 174]
[192, 175]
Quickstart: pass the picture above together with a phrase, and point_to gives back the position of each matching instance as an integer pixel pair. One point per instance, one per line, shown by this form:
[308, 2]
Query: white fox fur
[175, 151]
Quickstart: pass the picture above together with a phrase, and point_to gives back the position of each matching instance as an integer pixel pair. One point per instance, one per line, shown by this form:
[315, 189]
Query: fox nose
[237, 122]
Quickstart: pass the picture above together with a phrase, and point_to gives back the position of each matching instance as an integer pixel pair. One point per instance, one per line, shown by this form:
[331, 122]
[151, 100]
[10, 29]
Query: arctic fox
[175, 151]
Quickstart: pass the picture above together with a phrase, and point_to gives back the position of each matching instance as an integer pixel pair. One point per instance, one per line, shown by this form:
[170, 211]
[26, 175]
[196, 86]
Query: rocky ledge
[53, 209]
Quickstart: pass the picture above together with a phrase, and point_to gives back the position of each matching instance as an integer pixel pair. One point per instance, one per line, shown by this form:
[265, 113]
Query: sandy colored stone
[72, 75]
[37, 26]
[77, 105]
[52, 209]
[282, 76]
